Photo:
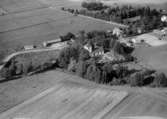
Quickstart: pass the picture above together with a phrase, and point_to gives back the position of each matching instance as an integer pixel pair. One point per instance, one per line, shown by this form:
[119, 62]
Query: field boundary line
[3, 115]
[108, 108]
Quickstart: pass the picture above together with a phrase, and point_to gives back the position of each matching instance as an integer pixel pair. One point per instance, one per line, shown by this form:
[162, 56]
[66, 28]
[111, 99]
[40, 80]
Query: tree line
[139, 19]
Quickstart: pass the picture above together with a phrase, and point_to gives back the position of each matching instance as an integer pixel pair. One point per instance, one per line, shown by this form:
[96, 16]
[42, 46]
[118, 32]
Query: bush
[121, 71]
[84, 55]
[72, 65]
[107, 73]
[136, 79]
[93, 5]
[8, 72]
[66, 54]
[160, 80]
[67, 37]
[93, 73]
[81, 68]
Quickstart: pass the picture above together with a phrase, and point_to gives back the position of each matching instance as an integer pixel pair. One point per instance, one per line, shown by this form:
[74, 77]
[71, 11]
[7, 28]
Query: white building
[112, 56]
[117, 32]
[88, 47]
[29, 47]
[98, 52]
[164, 18]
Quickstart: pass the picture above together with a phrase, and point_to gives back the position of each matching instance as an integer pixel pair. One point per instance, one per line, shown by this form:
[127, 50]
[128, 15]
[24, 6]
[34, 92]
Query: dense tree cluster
[67, 37]
[30, 63]
[66, 54]
[93, 5]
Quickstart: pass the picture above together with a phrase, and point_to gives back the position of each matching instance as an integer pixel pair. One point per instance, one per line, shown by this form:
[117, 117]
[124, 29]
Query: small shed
[29, 47]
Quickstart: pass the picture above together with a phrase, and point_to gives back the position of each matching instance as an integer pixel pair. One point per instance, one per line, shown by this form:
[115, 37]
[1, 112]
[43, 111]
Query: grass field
[156, 57]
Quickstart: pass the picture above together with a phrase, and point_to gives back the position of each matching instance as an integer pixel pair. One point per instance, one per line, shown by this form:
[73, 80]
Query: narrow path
[8, 58]
[104, 21]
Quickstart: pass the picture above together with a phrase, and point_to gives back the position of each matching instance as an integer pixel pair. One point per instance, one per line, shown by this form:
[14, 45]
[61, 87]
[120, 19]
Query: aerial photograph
[83, 59]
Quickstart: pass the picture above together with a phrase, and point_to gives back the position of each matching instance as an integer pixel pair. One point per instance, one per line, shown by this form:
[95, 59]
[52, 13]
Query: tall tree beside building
[84, 55]
[136, 79]
[160, 80]
[81, 68]
[93, 73]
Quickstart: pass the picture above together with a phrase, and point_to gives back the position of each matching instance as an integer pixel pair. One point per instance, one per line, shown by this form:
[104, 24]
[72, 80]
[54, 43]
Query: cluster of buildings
[105, 56]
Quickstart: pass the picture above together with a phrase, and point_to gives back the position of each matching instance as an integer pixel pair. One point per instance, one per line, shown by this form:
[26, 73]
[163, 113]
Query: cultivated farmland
[72, 97]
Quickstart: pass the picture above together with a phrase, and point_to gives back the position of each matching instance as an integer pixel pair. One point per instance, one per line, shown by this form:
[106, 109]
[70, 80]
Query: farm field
[72, 97]
[69, 102]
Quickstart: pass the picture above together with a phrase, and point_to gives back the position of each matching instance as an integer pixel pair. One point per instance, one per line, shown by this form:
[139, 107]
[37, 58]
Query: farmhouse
[112, 56]
[98, 52]
[88, 47]
[117, 31]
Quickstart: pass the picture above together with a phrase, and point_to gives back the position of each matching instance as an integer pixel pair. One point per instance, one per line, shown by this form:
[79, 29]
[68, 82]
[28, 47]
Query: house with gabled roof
[112, 56]
[97, 52]
[88, 47]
